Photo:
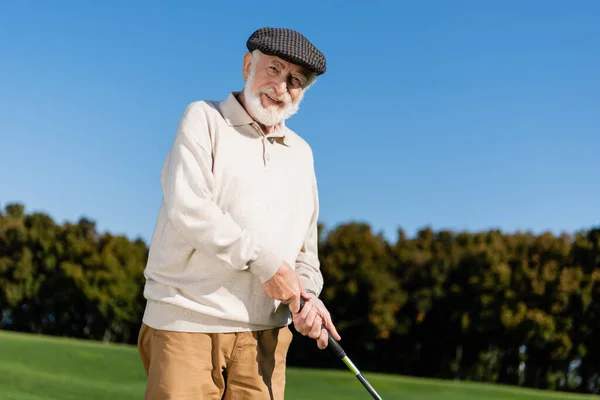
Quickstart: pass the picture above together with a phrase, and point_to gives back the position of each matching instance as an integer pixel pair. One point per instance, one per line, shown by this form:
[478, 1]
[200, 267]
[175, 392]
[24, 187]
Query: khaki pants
[214, 366]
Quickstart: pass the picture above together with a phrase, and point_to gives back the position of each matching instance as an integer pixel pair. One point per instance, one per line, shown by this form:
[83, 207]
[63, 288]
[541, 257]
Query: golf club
[339, 351]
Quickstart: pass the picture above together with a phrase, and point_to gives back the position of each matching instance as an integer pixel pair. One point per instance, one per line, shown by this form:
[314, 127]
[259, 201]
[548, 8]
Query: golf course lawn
[43, 368]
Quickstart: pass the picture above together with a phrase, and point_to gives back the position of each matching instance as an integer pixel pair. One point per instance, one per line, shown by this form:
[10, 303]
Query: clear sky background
[463, 115]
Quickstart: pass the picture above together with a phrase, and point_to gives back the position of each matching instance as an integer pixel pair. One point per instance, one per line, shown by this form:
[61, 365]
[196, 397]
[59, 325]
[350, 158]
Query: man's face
[274, 88]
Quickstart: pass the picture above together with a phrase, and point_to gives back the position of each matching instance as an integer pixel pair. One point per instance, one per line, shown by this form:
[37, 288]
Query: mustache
[270, 91]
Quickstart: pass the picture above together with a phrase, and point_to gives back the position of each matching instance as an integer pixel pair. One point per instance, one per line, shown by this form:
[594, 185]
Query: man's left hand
[314, 320]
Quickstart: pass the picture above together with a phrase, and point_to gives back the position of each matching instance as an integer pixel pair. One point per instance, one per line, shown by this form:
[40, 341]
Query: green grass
[42, 368]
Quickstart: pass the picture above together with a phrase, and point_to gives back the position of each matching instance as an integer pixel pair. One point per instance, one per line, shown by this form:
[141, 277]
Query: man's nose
[281, 86]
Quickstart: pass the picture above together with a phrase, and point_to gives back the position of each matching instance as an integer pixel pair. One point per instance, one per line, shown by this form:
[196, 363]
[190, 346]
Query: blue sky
[463, 115]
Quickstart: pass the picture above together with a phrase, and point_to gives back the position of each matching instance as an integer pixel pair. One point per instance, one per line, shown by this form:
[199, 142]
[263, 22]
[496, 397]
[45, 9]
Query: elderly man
[235, 245]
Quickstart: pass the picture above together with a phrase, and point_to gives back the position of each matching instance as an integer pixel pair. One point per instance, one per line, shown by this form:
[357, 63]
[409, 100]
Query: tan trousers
[215, 366]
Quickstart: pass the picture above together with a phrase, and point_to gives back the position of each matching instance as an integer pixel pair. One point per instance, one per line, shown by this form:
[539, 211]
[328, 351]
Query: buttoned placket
[266, 150]
[265, 144]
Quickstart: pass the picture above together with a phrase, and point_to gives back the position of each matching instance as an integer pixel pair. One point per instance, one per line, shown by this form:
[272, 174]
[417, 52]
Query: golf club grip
[337, 349]
[333, 344]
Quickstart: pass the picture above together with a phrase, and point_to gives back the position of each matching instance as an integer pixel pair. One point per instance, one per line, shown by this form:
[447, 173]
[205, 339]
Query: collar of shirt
[236, 115]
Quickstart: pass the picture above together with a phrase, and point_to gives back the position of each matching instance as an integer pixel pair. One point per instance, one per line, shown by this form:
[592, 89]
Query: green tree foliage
[518, 309]
[68, 280]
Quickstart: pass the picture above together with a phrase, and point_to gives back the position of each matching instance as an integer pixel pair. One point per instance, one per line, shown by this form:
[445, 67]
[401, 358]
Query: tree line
[519, 309]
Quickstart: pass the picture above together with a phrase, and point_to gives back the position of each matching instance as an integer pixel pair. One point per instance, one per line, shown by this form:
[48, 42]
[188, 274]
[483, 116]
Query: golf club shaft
[339, 351]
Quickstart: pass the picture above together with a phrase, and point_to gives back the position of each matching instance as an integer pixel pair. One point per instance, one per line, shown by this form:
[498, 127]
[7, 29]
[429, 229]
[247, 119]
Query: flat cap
[288, 45]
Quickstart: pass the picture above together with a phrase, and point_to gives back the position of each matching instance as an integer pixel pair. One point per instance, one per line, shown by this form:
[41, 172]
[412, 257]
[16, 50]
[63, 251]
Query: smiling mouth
[273, 100]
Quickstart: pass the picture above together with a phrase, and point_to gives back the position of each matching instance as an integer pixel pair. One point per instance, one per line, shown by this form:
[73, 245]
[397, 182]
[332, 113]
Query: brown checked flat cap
[288, 45]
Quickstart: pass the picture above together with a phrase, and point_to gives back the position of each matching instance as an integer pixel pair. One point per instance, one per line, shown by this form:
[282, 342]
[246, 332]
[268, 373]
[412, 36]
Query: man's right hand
[285, 286]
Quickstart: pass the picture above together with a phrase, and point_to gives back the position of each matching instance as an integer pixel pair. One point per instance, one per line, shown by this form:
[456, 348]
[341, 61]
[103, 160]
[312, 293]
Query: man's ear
[246, 65]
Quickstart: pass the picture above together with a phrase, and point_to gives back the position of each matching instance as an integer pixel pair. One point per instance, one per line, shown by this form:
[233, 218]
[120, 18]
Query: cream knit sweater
[235, 205]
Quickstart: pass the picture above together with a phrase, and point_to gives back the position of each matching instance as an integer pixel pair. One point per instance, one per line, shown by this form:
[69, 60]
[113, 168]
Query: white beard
[273, 114]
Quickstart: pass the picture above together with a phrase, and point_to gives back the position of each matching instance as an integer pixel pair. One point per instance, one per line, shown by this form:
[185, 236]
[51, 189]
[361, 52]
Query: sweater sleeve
[307, 262]
[187, 183]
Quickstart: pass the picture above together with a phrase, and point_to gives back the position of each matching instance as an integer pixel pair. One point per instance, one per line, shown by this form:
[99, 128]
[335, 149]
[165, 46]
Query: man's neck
[266, 129]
